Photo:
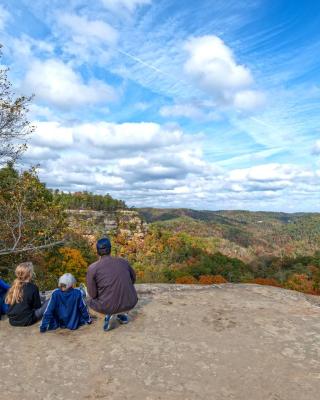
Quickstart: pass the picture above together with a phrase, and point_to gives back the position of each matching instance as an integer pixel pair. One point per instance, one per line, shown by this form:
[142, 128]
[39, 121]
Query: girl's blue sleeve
[4, 285]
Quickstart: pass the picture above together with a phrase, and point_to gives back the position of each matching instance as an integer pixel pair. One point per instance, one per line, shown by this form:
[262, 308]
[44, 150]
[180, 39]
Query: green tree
[30, 219]
[14, 124]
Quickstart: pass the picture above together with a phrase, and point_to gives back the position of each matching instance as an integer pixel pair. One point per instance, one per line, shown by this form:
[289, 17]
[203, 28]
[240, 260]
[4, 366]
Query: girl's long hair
[24, 272]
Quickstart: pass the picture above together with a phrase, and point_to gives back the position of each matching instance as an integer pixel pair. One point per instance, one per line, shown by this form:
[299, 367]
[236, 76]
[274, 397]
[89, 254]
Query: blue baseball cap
[103, 246]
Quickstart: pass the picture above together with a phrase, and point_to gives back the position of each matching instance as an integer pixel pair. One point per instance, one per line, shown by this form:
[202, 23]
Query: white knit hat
[67, 280]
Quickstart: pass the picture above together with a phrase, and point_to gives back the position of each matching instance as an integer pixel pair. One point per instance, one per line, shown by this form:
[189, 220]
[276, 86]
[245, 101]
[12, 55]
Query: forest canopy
[88, 201]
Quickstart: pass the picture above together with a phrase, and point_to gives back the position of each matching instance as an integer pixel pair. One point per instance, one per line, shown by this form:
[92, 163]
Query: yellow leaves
[69, 260]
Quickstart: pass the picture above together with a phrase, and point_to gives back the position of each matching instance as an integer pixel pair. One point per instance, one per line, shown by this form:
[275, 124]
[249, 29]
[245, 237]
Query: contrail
[262, 122]
[150, 66]
[143, 62]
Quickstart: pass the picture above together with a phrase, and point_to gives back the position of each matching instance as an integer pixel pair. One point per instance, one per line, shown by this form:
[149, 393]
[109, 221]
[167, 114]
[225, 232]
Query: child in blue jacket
[4, 287]
[66, 308]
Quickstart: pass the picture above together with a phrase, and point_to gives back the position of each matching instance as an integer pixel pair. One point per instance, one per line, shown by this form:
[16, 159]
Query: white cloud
[129, 153]
[86, 40]
[316, 148]
[56, 83]
[248, 100]
[149, 164]
[270, 178]
[181, 110]
[269, 172]
[199, 112]
[52, 135]
[212, 66]
[83, 29]
[4, 17]
[127, 5]
[134, 136]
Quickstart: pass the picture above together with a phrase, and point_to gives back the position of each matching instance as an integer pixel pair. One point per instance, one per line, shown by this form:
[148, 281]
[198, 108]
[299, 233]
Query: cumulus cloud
[129, 136]
[82, 29]
[248, 100]
[56, 83]
[86, 39]
[52, 135]
[147, 164]
[268, 177]
[212, 66]
[130, 154]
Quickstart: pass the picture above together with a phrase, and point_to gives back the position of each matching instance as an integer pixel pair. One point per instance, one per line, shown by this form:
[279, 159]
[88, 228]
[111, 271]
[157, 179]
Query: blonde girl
[23, 298]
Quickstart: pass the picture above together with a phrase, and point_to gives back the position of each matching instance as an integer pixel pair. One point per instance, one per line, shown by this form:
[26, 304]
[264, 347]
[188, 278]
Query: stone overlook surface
[242, 342]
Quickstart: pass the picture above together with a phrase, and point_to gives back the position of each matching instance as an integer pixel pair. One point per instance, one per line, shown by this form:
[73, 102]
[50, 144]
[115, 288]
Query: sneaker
[108, 322]
[123, 318]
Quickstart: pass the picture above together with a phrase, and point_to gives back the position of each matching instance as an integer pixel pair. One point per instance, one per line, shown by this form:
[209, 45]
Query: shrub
[67, 259]
[187, 280]
[211, 279]
[266, 281]
[301, 283]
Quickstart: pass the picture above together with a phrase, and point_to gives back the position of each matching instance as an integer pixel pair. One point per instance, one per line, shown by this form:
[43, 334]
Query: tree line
[88, 201]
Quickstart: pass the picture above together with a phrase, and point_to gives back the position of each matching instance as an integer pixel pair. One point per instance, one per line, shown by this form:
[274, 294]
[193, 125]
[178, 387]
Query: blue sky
[201, 104]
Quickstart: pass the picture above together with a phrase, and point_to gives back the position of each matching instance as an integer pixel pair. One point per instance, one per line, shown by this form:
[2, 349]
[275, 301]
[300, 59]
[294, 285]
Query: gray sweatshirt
[110, 285]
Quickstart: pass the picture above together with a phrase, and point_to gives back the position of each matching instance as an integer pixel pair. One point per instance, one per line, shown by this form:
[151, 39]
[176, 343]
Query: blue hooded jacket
[66, 309]
[3, 290]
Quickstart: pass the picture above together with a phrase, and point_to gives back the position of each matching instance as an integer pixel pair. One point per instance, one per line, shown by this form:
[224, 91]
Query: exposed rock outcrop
[93, 224]
[241, 342]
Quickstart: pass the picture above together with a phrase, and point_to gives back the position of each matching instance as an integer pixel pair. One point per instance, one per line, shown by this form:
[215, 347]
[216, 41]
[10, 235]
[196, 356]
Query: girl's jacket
[3, 287]
[66, 309]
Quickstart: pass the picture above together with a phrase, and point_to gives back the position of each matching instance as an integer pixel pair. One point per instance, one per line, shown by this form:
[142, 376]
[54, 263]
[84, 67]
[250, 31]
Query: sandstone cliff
[241, 342]
[92, 224]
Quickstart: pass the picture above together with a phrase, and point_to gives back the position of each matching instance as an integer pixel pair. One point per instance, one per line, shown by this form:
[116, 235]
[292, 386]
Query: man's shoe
[123, 318]
[108, 322]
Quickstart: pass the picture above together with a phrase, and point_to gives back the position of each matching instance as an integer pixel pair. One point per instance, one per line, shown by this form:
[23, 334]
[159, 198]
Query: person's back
[66, 308]
[23, 313]
[23, 298]
[110, 285]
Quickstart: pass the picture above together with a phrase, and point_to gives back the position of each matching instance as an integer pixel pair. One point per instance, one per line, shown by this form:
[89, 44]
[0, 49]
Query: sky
[161, 103]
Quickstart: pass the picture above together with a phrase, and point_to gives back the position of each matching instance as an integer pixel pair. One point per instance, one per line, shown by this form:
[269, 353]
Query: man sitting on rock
[110, 283]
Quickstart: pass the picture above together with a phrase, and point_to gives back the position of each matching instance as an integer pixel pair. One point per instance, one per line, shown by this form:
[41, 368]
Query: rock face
[93, 224]
[241, 342]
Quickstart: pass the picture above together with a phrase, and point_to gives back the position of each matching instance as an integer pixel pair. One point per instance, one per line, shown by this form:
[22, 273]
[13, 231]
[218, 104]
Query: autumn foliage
[266, 281]
[187, 280]
[302, 283]
[67, 259]
[211, 279]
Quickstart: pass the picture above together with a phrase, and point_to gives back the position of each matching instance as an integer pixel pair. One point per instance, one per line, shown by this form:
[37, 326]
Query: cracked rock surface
[242, 342]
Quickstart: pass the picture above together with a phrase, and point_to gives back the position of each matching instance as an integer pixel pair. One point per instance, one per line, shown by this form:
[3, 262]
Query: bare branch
[32, 248]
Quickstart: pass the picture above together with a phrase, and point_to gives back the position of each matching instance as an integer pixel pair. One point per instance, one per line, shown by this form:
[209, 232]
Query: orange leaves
[301, 283]
[68, 260]
[266, 281]
[211, 279]
[187, 280]
[203, 280]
